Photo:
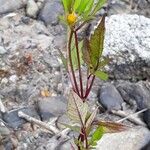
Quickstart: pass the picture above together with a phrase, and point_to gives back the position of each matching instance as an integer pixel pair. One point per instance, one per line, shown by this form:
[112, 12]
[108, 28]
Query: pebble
[2, 50]
[51, 107]
[13, 78]
[32, 9]
[4, 81]
[4, 131]
[50, 12]
[109, 97]
[135, 92]
[12, 119]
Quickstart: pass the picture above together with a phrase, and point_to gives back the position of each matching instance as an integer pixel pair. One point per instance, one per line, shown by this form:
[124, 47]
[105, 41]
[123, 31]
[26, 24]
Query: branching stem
[70, 65]
[79, 64]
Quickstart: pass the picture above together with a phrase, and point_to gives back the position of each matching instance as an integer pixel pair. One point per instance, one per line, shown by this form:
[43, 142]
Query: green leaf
[97, 135]
[88, 9]
[77, 109]
[82, 6]
[93, 48]
[74, 54]
[86, 52]
[76, 4]
[96, 43]
[101, 75]
[67, 5]
[98, 6]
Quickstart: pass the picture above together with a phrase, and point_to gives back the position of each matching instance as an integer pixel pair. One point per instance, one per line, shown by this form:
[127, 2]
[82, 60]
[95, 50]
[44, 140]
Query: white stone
[13, 78]
[2, 50]
[40, 5]
[4, 81]
[127, 33]
[132, 139]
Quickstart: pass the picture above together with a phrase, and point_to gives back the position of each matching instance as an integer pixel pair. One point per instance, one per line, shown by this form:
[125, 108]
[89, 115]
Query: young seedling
[80, 54]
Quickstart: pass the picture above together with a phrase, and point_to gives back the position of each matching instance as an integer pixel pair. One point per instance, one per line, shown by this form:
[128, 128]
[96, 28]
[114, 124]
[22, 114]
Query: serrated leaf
[96, 136]
[97, 42]
[91, 118]
[86, 52]
[111, 127]
[93, 48]
[102, 75]
[74, 55]
[77, 109]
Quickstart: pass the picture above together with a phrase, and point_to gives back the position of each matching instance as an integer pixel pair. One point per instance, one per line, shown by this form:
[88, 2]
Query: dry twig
[51, 128]
[130, 117]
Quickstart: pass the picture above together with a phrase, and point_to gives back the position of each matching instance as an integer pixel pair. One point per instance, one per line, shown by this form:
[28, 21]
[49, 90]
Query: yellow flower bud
[71, 18]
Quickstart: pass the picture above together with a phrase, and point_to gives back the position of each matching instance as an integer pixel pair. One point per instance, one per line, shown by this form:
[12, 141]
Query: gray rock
[23, 92]
[2, 50]
[135, 92]
[127, 42]
[128, 33]
[52, 61]
[132, 139]
[55, 144]
[146, 117]
[15, 122]
[50, 12]
[51, 107]
[7, 6]
[32, 9]
[109, 97]
[146, 147]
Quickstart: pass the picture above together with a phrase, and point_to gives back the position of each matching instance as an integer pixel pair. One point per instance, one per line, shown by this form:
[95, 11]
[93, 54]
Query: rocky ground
[33, 79]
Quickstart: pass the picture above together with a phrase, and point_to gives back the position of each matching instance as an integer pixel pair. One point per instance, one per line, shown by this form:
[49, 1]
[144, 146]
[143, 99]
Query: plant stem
[70, 66]
[86, 140]
[80, 26]
[79, 64]
[91, 84]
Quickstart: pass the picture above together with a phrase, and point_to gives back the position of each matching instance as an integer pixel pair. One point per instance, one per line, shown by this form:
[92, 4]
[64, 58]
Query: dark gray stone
[110, 98]
[51, 107]
[135, 92]
[146, 117]
[146, 147]
[50, 12]
[14, 121]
